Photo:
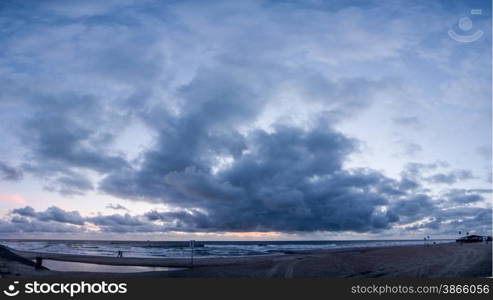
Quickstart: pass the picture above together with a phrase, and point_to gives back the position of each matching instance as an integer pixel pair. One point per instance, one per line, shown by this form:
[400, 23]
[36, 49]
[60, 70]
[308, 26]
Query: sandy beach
[443, 260]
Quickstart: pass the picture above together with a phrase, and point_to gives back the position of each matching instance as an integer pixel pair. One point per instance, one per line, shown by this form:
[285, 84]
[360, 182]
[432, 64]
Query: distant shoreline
[441, 260]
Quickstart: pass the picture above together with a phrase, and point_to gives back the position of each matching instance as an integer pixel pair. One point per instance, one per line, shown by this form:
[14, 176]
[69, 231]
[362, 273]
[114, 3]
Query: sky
[241, 120]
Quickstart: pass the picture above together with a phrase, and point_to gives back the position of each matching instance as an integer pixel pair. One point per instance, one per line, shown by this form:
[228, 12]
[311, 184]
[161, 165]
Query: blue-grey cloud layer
[199, 83]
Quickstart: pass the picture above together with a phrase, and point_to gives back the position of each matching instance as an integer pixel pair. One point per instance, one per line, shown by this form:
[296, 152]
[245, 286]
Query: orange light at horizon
[254, 234]
[234, 235]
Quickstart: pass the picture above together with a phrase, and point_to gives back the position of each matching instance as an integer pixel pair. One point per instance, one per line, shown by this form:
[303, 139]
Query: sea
[174, 249]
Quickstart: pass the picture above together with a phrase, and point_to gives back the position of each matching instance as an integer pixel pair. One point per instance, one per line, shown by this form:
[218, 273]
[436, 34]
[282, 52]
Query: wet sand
[443, 260]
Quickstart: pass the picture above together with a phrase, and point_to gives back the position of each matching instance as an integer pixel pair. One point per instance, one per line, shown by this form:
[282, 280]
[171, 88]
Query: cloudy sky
[245, 119]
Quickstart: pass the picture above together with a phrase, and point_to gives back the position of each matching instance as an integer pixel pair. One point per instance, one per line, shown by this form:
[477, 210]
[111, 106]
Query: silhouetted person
[39, 263]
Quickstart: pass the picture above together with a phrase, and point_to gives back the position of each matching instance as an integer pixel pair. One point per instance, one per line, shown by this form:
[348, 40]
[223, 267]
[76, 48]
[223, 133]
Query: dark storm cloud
[55, 219]
[52, 213]
[447, 217]
[447, 214]
[406, 184]
[415, 206]
[70, 184]
[461, 196]
[25, 211]
[8, 172]
[288, 180]
[125, 223]
[62, 133]
[66, 140]
[19, 225]
[469, 219]
[18, 219]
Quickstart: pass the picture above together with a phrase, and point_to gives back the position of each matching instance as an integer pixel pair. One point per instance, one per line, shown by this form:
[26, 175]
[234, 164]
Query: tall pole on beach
[192, 245]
